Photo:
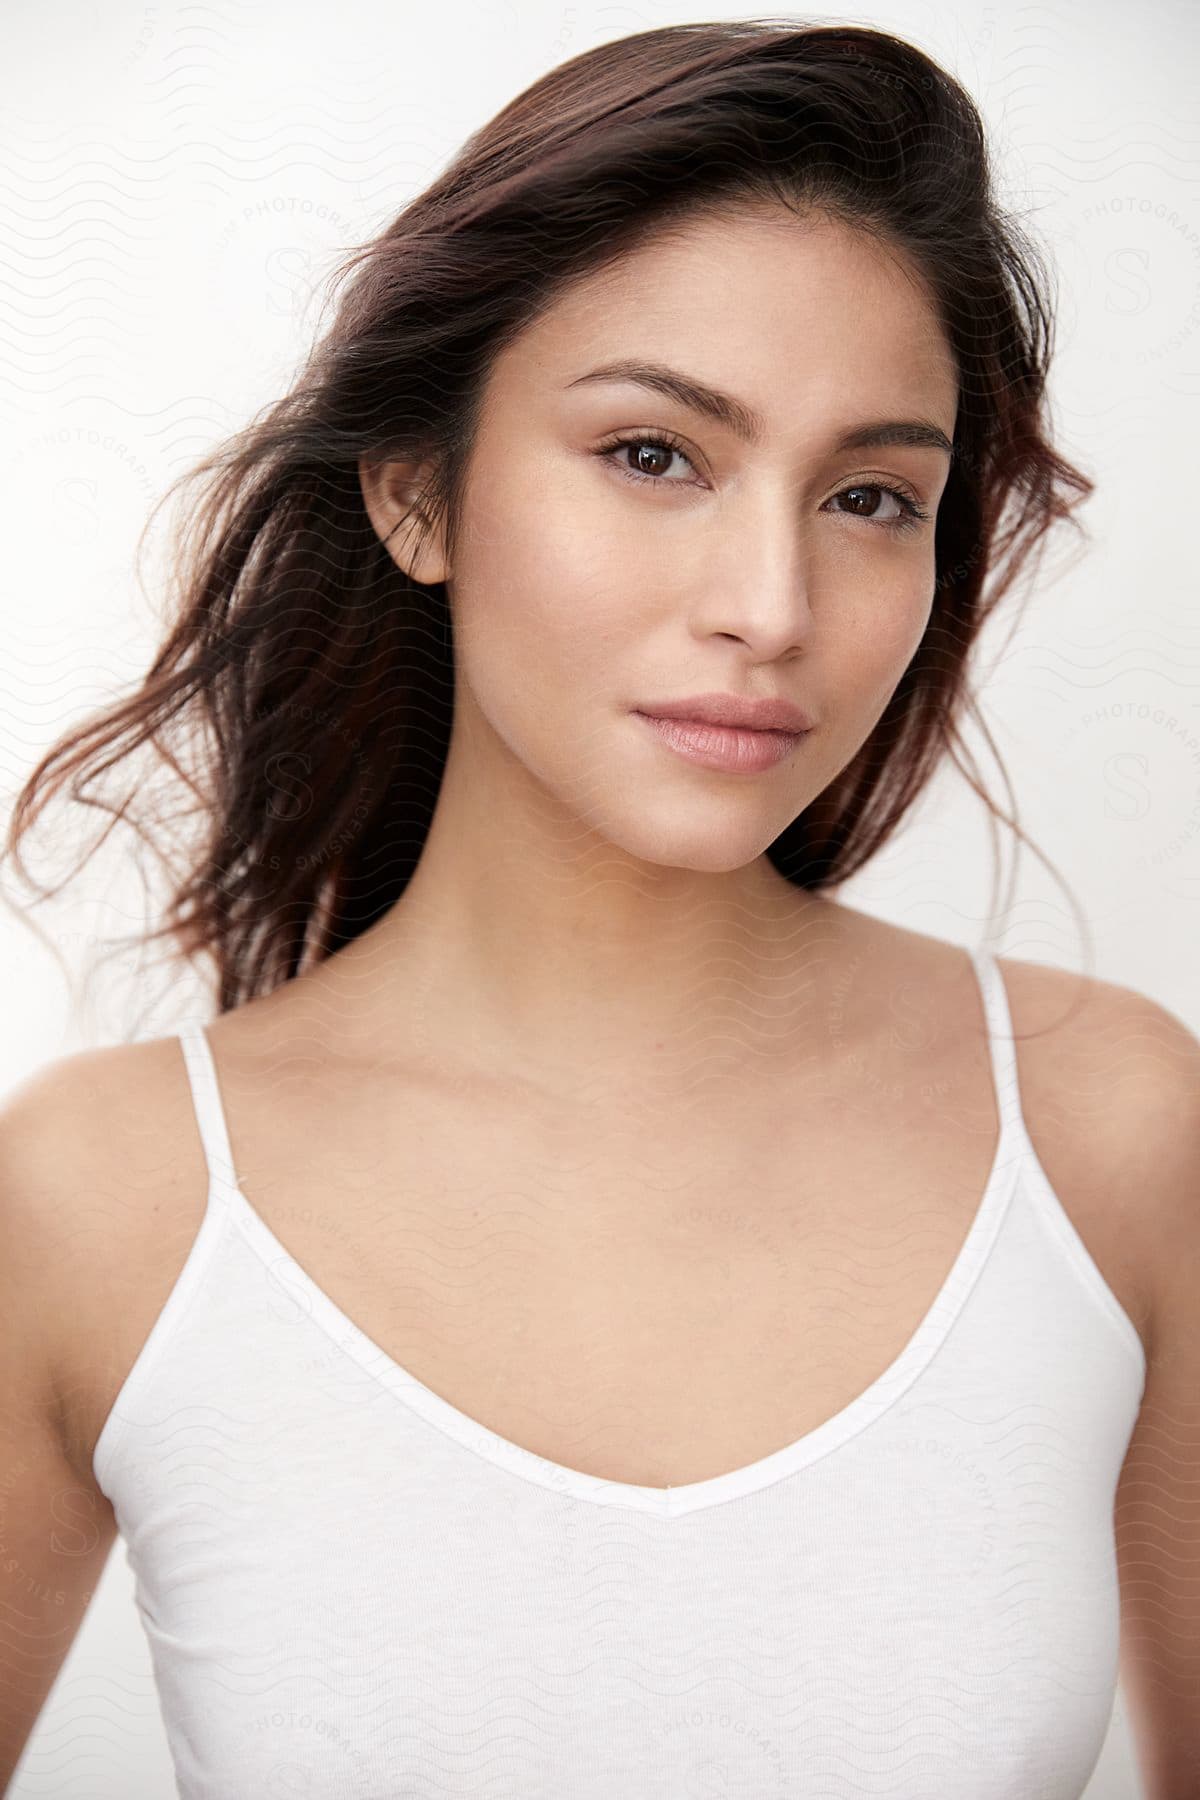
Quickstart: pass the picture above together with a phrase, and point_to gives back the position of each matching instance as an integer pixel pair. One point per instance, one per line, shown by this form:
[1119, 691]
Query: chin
[710, 851]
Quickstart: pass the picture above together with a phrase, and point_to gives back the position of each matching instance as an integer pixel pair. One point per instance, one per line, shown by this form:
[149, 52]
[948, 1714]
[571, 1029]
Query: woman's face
[788, 566]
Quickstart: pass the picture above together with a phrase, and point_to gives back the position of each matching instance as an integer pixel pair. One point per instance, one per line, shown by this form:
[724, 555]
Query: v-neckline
[227, 1201]
[692, 1496]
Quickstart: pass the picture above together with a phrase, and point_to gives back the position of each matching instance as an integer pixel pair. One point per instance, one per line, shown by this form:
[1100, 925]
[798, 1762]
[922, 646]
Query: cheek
[889, 617]
[873, 642]
[536, 624]
[539, 576]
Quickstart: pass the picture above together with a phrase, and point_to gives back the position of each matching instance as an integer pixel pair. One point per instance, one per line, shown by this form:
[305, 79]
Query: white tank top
[354, 1591]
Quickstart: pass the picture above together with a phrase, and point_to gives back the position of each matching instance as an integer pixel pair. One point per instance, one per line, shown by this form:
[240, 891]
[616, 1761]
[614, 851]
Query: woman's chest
[655, 1305]
[343, 1575]
[656, 1352]
[647, 1296]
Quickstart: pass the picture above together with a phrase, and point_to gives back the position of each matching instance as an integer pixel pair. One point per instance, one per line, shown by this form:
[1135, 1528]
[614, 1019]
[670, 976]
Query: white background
[181, 178]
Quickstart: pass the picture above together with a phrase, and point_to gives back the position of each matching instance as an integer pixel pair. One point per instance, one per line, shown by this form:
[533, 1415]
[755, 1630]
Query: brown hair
[323, 677]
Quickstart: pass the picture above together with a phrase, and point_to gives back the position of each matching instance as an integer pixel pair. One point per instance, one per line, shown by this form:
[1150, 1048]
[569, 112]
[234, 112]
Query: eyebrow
[741, 419]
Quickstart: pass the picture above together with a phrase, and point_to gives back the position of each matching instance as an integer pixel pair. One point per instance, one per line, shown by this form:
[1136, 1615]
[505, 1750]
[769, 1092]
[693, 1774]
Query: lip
[733, 710]
[728, 747]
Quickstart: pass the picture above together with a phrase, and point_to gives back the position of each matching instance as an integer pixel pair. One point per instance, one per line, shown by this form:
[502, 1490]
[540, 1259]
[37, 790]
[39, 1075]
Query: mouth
[735, 749]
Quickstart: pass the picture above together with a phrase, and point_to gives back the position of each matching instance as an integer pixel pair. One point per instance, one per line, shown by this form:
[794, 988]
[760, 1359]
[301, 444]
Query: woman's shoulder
[1128, 1056]
[83, 1138]
[1098, 1021]
[1110, 1090]
[103, 1189]
[1109, 1082]
[100, 1186]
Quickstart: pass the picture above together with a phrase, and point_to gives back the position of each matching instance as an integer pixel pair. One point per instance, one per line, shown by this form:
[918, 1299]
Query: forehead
[781, 309]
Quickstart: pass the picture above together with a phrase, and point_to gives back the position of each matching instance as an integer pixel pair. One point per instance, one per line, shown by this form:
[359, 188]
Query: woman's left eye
[910, 514]
[661, 446]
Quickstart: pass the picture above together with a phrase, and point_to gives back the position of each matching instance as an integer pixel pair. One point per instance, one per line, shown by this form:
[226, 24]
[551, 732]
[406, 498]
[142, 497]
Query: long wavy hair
[321, 678]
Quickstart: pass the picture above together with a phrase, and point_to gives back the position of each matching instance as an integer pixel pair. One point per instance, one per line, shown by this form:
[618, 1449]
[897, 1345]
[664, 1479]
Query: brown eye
[909, 516]
[651, 459]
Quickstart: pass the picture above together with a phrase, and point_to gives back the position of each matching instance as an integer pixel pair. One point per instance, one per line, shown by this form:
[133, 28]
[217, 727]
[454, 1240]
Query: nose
[759, 589]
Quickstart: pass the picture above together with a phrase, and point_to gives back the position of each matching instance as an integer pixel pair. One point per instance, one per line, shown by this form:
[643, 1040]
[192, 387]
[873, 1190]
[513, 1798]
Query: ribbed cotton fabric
[354, 1591]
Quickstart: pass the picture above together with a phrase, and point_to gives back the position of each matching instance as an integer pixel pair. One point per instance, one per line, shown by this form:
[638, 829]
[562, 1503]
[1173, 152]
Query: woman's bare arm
[56, 1528]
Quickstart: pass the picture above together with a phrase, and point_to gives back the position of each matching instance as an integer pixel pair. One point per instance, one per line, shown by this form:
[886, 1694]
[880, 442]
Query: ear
[392, 496]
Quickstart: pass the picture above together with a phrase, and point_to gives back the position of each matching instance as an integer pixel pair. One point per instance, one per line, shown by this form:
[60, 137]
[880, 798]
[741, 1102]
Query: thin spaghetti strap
[206, 1100]
[1001, 1046]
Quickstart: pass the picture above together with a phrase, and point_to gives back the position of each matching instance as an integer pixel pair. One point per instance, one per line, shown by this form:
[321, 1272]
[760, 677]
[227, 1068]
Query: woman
[589, 1317]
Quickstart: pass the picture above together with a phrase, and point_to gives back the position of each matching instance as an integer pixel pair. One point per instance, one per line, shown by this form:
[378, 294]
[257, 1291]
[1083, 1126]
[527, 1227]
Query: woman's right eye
[651, 451]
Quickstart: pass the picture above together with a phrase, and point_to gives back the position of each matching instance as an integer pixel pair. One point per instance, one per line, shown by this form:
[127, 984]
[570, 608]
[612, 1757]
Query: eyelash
[912, 517]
